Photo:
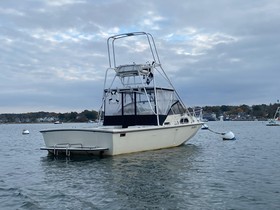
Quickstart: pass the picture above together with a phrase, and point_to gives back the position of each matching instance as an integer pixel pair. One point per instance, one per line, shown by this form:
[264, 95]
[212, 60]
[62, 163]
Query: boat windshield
[139, 102]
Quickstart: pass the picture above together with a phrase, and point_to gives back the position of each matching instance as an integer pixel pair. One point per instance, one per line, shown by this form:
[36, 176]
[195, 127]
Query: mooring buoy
[226, 136]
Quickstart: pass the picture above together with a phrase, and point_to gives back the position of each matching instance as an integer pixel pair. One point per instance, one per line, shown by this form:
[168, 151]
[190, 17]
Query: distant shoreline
[243, 112]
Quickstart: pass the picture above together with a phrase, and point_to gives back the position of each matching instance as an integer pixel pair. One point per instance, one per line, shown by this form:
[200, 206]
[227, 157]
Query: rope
[215, 132]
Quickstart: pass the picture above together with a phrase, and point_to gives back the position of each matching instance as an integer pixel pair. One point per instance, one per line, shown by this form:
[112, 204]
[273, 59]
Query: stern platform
[67, 149]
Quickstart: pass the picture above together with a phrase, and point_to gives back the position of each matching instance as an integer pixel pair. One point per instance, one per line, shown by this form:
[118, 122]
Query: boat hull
[112, 141]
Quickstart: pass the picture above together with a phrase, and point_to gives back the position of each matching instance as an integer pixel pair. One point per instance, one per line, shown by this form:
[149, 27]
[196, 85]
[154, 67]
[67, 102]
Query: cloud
[54, 53]
[59, 3]
[11, 11]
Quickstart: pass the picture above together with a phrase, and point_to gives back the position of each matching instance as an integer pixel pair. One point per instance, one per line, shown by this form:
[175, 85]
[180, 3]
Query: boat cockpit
[137, 106]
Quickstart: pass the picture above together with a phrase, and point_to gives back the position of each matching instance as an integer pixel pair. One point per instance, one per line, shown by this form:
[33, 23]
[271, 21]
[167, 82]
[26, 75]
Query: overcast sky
[53, 53]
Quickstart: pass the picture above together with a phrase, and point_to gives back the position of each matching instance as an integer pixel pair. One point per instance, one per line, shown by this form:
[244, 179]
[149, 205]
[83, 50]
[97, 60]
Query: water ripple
[206, 173]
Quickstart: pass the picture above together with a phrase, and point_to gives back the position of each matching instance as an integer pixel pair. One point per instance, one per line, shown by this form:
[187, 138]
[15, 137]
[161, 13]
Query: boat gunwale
[122, 130]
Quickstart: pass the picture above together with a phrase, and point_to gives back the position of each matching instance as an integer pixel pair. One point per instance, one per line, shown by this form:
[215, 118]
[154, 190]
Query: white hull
[120, 141]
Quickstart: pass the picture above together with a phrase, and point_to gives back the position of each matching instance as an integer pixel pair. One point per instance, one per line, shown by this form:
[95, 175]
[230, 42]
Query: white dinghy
[140, 111]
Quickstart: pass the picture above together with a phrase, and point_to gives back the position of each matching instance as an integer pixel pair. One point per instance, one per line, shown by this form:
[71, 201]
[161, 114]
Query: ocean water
[205, 173]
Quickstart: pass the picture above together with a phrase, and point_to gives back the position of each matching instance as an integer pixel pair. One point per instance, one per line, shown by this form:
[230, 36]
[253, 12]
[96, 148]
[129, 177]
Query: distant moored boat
[276, 119]
[25, 131]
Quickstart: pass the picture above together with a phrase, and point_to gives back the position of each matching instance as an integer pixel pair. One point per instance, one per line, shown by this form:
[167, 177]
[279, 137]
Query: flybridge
[145, 71]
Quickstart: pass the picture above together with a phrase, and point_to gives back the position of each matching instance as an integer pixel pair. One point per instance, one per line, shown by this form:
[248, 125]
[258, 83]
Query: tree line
[49, 117]
[254, 112]
[245, 112]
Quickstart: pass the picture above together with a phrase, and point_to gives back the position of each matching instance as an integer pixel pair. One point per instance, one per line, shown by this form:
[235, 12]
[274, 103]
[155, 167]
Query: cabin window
[113, 103]
[128, 103]
[184, 120]
[144, 105]
[176, 108]
[165, 100]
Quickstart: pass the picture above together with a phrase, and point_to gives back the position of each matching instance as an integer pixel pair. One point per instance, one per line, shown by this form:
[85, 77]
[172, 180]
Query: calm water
[206, 173]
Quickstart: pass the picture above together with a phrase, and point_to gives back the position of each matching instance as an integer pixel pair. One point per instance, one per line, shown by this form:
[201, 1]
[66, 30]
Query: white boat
[276, 119]
[140, 111]
[25, 132]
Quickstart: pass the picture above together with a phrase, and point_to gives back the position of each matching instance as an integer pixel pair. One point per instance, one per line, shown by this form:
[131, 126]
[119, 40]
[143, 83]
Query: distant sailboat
[276, 119]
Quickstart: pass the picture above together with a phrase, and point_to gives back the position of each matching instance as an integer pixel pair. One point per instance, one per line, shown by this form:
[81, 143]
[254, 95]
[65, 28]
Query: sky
[53, 53]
